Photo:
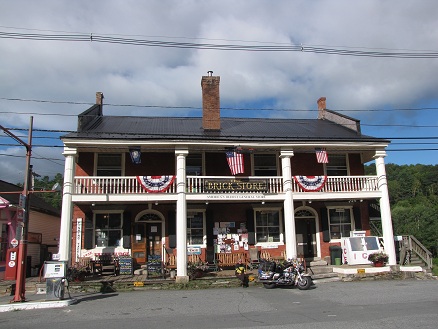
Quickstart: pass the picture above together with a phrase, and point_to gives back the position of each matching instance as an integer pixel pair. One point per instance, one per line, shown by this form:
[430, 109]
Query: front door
[147, 245]
[306, 242]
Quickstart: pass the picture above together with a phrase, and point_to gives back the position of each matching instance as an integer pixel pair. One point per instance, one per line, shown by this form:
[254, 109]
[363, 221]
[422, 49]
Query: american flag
[235, 162]
[321, 155]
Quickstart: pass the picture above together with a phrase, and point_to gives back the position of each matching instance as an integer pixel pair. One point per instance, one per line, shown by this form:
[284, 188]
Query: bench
[106, 264]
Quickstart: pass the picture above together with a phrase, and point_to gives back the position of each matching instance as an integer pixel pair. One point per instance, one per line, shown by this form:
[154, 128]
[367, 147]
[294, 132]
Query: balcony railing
[85, 185]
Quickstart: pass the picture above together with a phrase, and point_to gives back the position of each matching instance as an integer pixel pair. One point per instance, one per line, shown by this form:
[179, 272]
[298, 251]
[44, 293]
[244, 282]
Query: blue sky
[65, 75]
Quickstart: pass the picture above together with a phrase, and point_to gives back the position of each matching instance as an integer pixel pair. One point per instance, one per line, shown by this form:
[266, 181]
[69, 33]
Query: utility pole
[20, 281]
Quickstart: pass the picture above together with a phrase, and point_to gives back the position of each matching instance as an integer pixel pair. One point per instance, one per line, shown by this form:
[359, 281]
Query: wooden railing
[412, 245]
[196, 185]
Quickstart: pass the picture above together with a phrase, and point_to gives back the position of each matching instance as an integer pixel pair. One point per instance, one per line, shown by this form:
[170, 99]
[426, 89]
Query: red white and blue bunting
[156, 184]
[311, 183]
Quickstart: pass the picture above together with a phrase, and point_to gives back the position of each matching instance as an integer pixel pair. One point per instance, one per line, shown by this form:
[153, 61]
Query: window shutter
[357, 219]
[209, 223]
[171, 228]
[250, 226]
[88, 234]
[127, 230]
[325, 225]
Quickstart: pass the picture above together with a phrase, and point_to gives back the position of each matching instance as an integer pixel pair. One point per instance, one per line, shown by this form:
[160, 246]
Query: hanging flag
[135, 155]
[321, 155]
[235, 162]
[311, 183]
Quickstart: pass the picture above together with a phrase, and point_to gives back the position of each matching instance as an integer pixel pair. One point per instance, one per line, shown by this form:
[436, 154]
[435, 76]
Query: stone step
[320, 269]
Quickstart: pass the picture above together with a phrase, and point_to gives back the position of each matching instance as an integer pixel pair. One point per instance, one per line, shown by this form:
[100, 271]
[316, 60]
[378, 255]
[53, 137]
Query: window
[109, 164]
[268, 226]
[337, 165]
[108, 229]
[340, 222]
[194, 164]
[195, 228]
[265, 165]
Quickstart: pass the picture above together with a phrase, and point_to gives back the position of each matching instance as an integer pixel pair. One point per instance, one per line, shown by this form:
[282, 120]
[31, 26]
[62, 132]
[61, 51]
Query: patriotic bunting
[156, 184]
[311, 183]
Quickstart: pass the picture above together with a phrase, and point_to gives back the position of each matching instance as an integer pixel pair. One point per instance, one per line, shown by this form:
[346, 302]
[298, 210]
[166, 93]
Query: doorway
[147, 242]
[305, 233]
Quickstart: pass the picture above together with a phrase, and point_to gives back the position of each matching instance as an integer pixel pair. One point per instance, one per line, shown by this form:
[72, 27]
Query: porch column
[67, 205]
[289, 216]
[385, 210]
[181, 217]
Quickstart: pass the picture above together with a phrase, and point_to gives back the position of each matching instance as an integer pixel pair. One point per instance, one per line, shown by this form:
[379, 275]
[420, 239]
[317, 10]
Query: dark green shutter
[357, 219]
[127, 230]
[171, 228]
[88, 234]
[325, 225]
[209, 224]
[250, 226]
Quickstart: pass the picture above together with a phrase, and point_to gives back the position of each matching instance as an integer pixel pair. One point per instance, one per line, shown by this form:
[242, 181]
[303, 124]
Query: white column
[289, 216]
[385, 210]
[67, 205]
[181, 217]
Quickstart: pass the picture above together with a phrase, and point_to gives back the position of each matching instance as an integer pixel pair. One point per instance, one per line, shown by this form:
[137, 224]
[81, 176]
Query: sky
[376, 61]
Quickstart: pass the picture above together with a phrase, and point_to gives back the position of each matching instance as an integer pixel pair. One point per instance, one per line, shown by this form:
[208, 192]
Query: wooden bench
[231, 259]
[107, 264]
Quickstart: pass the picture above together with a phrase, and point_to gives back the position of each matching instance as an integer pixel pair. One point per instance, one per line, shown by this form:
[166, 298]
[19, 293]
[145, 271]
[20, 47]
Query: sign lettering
[236, 185]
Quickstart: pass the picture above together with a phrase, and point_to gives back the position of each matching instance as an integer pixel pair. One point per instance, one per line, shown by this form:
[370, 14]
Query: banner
[311, 183]
[156, 184]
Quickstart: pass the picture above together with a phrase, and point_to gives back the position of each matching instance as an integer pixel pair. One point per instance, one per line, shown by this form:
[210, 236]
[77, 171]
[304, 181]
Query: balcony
[196, 185]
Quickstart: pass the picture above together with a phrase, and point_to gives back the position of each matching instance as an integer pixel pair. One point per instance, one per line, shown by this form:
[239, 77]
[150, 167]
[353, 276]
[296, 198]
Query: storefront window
[195, 228]
[267, 226]
[340, 220]
[108, 229]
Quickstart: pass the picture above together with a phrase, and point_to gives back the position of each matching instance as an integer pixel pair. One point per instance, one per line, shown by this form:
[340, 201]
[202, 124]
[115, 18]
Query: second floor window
[337, 165]
[265, 165]
[109, 164]
[194, 164]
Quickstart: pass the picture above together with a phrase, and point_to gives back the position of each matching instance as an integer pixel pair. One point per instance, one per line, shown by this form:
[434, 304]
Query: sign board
[193, 250]
[236, 185]
[11, 264]
[14, 242]
[125, 264]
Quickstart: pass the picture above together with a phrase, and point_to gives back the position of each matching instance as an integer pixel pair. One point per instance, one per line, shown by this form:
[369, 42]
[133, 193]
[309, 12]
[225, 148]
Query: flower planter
[379, 264]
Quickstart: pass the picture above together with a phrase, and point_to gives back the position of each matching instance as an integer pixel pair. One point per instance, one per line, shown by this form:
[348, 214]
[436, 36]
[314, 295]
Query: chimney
[211, 113]
[99, 98]
[321, 107]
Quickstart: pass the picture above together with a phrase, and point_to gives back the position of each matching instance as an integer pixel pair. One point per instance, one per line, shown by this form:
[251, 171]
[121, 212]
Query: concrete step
[320, 269]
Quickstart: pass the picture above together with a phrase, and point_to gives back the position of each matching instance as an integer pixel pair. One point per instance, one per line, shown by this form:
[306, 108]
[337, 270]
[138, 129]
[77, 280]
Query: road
[366, 304]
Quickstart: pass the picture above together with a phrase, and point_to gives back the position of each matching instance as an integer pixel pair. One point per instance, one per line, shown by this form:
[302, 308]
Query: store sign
[236, 185]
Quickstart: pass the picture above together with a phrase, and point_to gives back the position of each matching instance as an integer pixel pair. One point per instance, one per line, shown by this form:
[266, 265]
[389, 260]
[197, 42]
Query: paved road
[370, 304]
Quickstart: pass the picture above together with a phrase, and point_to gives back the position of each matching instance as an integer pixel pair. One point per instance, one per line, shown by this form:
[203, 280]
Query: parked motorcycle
[289, 273]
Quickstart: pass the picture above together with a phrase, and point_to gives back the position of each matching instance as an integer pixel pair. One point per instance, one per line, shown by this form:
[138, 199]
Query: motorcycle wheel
[304, 283]
[269, 285]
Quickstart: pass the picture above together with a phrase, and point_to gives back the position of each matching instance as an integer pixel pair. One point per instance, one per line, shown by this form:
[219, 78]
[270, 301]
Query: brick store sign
[235, 185]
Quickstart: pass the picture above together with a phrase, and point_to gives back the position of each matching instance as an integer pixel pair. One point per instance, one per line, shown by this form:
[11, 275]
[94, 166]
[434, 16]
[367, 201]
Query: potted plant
[378, 258]
[77, 272]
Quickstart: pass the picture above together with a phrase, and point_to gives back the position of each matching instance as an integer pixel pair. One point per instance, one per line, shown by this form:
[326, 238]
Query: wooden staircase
[412, 252]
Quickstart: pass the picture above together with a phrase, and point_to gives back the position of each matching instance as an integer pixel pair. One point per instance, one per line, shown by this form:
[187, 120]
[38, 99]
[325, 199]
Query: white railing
[196, 184]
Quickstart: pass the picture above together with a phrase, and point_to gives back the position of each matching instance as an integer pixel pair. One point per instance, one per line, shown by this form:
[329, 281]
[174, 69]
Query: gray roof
[244, 129]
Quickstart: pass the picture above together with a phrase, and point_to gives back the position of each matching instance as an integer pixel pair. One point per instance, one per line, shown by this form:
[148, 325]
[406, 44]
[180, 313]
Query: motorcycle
[289, 273]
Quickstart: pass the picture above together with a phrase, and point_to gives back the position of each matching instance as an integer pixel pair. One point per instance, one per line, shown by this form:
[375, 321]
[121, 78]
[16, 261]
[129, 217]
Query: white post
[181, 217]
[385, 210]
[289, 216]
[67, 206]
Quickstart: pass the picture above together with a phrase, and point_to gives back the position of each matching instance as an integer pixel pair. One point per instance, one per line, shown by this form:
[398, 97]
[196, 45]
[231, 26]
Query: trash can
[335, 252]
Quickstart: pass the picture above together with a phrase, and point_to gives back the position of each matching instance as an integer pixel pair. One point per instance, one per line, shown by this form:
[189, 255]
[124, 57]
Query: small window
[340, 221]
[194, 164]
[337, 165]
[267, 226]
[195, 228]
[108, 229]
[109, 164]
[265, 165]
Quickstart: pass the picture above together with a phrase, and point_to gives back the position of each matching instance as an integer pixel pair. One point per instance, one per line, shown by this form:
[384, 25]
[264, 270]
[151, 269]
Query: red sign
[11, 264]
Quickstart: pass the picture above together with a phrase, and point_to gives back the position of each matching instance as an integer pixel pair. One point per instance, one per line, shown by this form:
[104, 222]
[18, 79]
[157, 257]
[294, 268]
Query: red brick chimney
[99, 98]
[211, 110]
[321, 107]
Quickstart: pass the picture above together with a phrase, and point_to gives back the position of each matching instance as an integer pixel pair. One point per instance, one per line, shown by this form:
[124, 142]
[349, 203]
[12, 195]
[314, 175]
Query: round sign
[14, 242]
[11, 263]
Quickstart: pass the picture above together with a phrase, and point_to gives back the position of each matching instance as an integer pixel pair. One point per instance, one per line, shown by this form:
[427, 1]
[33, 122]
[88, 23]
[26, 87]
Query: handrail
[413, 245]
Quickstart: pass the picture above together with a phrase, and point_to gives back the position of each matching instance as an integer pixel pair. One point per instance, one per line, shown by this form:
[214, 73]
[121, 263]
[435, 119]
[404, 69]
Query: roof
[36, 203]
[244, 129]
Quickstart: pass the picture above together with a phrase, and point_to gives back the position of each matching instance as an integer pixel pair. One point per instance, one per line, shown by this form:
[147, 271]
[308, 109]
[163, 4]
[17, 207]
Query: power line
[92, 37]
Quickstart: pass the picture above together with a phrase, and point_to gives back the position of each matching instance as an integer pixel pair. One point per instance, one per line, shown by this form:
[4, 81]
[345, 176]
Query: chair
[212, 264]
[254, 259]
